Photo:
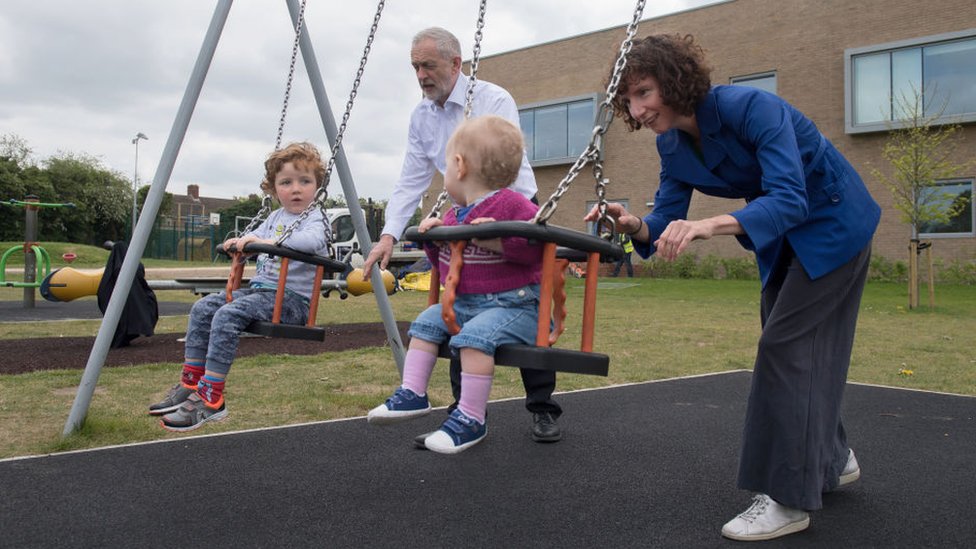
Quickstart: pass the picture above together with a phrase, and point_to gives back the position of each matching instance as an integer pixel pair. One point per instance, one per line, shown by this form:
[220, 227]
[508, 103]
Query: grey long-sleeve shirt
[311, 236]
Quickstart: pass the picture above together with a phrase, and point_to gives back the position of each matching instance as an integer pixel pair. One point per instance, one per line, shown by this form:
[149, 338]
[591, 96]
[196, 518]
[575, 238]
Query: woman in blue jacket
[808, 218]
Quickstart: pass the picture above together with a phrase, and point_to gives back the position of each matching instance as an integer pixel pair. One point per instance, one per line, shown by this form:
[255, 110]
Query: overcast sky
[87, 76]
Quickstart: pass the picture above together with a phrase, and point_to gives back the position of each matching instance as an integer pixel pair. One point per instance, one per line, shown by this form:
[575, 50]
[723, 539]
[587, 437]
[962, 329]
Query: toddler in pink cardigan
[498, 294]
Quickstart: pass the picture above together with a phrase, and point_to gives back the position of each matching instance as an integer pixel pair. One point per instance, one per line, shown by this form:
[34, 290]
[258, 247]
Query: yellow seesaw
[68, 283]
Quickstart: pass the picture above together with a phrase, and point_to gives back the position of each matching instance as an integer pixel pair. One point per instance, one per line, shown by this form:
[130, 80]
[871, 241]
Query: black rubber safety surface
[647, 465]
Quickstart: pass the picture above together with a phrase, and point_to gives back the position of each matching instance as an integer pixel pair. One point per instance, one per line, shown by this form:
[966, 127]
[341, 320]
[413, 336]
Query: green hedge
[690, 266]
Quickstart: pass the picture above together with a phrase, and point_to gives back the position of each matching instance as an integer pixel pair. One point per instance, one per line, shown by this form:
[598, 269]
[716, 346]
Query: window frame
[556, 161]
[341, 225]
[737, 80]
[972, 210]
[888, 47]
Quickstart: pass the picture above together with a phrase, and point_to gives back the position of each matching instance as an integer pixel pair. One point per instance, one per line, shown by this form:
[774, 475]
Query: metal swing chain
[475, 57]
[266, 205]
[267, 201]
[291, 73]
[592, 151]
[321, 194]
[468, 94]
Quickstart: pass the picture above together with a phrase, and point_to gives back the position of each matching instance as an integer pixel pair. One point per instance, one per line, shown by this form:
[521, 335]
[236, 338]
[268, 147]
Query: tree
[19, 177]
[101, 197]
[15, 148]
[245, 207]
[920, 152]
[165, 206]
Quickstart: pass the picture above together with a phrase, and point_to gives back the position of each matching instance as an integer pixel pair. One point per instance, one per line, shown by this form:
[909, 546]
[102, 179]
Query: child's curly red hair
[303, 155]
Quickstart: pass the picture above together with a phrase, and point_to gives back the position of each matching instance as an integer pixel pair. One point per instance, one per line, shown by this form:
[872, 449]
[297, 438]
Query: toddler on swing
[292, 175]
[498, 292]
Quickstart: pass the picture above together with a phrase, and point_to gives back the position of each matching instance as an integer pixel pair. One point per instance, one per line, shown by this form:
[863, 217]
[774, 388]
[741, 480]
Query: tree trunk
[931, 279]
[913, 274]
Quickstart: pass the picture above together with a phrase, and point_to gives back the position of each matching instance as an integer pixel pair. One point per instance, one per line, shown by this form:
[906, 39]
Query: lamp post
[135, 179]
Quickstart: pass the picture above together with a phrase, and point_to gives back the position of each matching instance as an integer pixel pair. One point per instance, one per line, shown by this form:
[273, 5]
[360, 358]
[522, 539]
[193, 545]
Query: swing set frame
[154, 199]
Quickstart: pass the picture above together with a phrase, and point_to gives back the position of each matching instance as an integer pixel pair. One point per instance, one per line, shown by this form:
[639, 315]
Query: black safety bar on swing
[275, 328]
[561, 246]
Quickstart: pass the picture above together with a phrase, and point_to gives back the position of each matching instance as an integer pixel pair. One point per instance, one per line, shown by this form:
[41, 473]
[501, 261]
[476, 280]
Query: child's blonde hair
[303, 155]
[492, 147]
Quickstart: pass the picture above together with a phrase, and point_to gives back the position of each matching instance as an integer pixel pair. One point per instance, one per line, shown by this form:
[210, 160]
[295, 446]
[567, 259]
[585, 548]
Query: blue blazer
[797, 187]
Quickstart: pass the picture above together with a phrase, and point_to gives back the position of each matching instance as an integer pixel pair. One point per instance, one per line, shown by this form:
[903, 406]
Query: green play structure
[37, 262]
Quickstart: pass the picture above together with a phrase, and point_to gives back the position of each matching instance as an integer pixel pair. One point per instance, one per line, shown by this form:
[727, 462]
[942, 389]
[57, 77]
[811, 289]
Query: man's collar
[457, 94]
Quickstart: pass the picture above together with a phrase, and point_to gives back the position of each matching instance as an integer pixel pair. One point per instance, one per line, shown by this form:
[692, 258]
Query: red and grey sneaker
[192, 414]
[176, 396]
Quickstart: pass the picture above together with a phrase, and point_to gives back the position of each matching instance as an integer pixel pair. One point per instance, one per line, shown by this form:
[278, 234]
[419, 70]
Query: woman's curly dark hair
[676, 62]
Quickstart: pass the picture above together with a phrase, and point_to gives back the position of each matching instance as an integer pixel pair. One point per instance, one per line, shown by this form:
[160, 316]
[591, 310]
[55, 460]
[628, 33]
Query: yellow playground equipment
[357, 285]
[68, 283]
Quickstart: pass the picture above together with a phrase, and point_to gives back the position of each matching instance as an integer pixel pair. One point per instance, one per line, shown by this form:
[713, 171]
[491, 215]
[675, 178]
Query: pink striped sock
[417, 367]
[474, 395]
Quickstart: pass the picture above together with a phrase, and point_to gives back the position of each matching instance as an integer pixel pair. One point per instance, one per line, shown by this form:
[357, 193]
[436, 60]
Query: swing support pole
[154, 199]
[79, 409]
[348, 187]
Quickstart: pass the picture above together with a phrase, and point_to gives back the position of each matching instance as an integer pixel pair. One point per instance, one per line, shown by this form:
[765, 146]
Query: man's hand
[382, 252]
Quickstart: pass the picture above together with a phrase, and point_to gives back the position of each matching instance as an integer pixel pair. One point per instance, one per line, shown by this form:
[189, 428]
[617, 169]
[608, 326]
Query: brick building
[807, 51]
[193, 205]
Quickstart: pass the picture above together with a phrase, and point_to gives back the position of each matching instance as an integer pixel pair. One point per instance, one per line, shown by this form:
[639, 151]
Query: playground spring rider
[34, 271]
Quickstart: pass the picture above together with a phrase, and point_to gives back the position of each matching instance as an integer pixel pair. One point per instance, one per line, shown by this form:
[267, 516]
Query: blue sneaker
[403, 404]
[457, 434]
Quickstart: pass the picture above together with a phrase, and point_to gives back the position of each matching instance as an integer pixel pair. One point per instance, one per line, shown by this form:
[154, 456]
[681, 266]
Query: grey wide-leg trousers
[794, 445]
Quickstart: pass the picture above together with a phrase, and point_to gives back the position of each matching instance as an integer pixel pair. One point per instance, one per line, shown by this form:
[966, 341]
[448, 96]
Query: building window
[945, 195]
[880, 79]
[764, 81]
[590, 225]
[557, 132]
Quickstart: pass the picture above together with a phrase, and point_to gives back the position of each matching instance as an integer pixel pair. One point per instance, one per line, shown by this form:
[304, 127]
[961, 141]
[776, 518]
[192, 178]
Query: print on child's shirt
[268, 265]
[472, 254]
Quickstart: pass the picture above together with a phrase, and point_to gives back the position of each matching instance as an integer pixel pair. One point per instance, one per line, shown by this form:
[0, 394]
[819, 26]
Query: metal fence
[191, 238]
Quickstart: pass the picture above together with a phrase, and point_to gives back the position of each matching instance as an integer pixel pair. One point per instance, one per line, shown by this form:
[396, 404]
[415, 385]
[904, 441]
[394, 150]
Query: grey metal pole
[153, 200]
[348, 187]
[30, 258]
[135, 188]
[135, 181]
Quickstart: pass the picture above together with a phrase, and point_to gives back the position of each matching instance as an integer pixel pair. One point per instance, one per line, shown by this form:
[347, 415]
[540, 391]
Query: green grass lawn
[88, 257]
[651, 328]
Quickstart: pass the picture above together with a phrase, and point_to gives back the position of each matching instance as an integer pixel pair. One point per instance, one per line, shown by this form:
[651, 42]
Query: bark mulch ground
[28, 355]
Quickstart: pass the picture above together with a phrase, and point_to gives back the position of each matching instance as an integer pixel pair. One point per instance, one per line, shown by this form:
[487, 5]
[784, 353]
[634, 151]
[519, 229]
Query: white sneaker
[851, 472]
[765, 519]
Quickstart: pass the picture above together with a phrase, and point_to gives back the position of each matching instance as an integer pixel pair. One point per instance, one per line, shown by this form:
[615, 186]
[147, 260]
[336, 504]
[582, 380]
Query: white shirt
[430, 127]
